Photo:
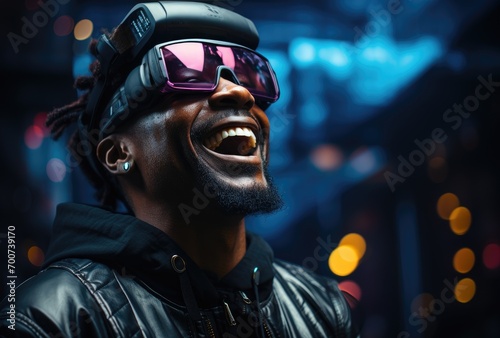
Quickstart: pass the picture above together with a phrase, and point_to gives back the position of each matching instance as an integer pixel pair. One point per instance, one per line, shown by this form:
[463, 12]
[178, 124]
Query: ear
[113, 152]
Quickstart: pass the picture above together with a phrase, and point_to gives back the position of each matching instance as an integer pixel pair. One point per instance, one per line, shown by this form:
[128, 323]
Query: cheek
[159, 163]
[167, 149]
[152, 153]
[165, 130]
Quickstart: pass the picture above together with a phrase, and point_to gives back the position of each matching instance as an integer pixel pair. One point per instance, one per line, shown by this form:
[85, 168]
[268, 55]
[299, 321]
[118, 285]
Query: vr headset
[174, 47]
[167, 47]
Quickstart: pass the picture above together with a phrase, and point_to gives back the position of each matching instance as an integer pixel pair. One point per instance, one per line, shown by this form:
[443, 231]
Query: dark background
[361, 81]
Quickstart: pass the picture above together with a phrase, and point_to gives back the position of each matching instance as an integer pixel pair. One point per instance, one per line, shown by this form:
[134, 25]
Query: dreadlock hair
[59, 119]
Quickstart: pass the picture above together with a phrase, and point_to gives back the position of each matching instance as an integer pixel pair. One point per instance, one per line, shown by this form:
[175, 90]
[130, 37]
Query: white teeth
[215, 141]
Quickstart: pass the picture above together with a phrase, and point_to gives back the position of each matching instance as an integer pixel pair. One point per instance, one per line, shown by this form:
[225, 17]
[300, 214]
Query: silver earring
[126, 166]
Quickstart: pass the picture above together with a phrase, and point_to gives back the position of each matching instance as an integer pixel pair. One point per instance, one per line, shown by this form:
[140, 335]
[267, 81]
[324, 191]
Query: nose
[228, 94]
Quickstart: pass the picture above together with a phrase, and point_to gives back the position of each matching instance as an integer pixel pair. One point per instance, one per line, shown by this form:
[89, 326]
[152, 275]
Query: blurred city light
[63, 25]
[83, 29]
[327, 157]
[36, 255]
[365, 162]
[33, 137]
[446, 204]
[491, 256]
[355, 241]
[343, 260]
[460, 220]
[56, 170]
[385, 67]
[464, 259]
[39, 121]
[465, 290]
[352, 288]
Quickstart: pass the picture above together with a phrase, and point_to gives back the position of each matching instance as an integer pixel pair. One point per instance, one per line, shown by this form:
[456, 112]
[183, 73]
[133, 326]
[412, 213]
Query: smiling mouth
[240, 141]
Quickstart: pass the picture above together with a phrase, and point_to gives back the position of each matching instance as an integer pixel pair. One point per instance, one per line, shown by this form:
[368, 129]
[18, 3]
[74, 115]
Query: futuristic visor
[189, 66]
[197, 65]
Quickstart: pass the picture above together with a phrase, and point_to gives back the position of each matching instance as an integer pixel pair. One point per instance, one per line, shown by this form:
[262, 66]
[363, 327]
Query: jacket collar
[138, 249]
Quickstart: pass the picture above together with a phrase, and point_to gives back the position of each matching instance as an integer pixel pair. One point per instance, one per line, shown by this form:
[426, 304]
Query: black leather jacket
[111, 275]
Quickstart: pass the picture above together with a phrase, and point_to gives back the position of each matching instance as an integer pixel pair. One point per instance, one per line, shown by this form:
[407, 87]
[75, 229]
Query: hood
[138, 249]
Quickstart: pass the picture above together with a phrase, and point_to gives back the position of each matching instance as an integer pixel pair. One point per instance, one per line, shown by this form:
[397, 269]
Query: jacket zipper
[245, 297]
[229, 315]
[266, 329]
[248, 301]
[210, 328]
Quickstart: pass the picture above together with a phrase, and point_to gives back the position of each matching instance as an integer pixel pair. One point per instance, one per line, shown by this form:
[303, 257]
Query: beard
[245, 201]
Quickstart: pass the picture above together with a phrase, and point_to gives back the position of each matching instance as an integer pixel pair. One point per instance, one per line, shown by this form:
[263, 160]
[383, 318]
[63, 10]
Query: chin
[248, 192]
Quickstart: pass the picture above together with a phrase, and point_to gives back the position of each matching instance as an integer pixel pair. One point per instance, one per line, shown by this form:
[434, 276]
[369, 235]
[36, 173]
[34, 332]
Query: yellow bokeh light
[464, 259]
[446, 204]
[36, 255]
[460, 220]
[356, 241]
[465, 290]
[343, 260]
[83, 29]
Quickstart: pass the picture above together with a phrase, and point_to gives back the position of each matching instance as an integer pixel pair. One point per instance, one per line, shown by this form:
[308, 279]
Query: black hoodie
[137, 248]
[141, 283]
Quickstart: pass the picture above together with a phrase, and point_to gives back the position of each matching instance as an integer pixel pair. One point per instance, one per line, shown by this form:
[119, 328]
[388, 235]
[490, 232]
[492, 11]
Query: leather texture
[112, 275]
[81, 298]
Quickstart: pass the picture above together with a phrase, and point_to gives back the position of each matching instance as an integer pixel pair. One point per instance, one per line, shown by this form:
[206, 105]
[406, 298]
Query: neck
[214, 241]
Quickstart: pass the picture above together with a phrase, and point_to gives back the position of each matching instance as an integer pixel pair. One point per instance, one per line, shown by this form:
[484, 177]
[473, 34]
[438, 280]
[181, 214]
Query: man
[173, 126]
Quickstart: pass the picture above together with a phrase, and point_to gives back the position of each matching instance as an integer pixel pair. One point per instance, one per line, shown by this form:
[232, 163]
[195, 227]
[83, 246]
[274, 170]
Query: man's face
[215, 144]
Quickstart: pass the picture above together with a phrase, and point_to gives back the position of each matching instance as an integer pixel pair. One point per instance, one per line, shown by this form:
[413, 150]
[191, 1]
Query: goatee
[240, 201]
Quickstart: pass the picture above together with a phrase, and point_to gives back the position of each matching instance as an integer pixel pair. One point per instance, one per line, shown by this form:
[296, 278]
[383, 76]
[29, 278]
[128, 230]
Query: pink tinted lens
[195, 66]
